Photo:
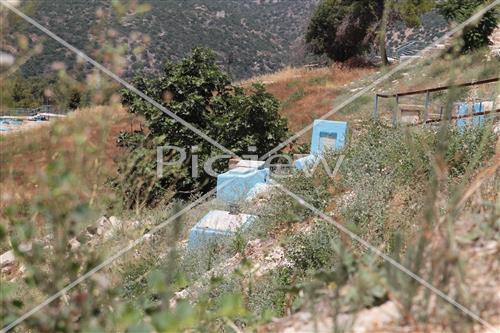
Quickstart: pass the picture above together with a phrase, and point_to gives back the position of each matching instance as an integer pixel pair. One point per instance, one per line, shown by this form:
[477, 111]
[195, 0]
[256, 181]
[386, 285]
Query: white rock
[259, 191]
[375, 318]
[7, 258]
[74, 244]
[6, 59]
[102, 280]
[115, 222]
[25, 247]
[496, 129]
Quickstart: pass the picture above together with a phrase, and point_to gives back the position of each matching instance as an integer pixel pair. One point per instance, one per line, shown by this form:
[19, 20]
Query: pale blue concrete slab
[305, 162]
[217, 225]
[233, 186]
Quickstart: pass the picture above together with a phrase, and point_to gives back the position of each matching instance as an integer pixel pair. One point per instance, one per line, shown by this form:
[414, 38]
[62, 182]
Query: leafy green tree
[199, 92]
[23, 93]
[343, 29]
[409, 11]
[476, 35]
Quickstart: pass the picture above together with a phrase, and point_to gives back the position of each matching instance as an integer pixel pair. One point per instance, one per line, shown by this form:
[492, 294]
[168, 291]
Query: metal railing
[28, 112]
[400, 49]
[427, 92]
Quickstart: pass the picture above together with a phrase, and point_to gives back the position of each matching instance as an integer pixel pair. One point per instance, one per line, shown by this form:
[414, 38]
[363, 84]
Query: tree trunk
[383, 33]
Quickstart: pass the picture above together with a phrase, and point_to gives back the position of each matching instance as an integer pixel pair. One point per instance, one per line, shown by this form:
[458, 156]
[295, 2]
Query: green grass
[292, 98]
[397, 188]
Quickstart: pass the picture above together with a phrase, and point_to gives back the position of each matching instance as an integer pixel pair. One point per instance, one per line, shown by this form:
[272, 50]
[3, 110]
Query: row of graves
[475, 113]
[427, 106]
[247, 178]
[464, 113]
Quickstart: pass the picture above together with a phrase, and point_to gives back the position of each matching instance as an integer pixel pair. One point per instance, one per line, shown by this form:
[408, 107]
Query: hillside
[425, 196]
[254, 36]
[250, 37]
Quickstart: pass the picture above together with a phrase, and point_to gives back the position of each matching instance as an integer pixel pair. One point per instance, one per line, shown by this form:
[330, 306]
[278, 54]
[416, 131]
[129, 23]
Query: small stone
[114, 221]
[74, 244]
[102, 280]
[7, 258]
[25, 247]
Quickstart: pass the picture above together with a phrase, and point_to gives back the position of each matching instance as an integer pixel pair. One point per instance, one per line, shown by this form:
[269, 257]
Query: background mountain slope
[250, 37]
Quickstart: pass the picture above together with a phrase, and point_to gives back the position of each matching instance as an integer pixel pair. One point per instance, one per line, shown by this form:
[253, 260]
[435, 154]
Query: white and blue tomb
[234, 185]
[463, 110]
[327, 135]
[216, 226]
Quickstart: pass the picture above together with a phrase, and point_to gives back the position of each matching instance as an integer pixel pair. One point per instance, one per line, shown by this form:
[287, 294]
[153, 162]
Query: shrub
[340, 29]
[199, 92]
[270, 297]
[313, 250]
[376, 164]
[467, 147]
[474, 35]
[313, 189]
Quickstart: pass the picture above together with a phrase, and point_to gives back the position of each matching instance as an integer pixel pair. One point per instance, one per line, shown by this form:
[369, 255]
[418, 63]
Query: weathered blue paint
[305, 162]
[233, 186]
[325, 132]
[217, 225]
[462, 111]
[327, 135]
[478, 120]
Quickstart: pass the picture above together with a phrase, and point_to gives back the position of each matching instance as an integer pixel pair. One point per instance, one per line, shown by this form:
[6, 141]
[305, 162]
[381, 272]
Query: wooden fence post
[395, 114]
[426, 108]
[375, 111]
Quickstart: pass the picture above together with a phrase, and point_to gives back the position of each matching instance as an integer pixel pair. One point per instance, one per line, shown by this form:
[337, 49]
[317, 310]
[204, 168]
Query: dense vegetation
[249, 37]
[345, 29]
[198, 91]
[317, 259]
[59, 91]
[474, 35]
[426, 196]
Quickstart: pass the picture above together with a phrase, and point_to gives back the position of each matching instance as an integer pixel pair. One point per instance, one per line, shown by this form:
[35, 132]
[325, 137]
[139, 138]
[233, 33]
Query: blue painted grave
[478, 120]
[234, 185]
[217, 225]
[305, 162]
[326, 135]
[462, 111]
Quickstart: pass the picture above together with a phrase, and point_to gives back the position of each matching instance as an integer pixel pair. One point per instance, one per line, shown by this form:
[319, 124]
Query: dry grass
[442, 71]
[307, 94]
[25, 155]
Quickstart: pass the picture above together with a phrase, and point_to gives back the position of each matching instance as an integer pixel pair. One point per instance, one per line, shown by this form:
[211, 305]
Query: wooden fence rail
[427, 93]
[495, 112]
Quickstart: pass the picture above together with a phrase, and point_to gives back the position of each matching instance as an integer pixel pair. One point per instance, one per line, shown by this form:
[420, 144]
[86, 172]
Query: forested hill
[251, 37]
